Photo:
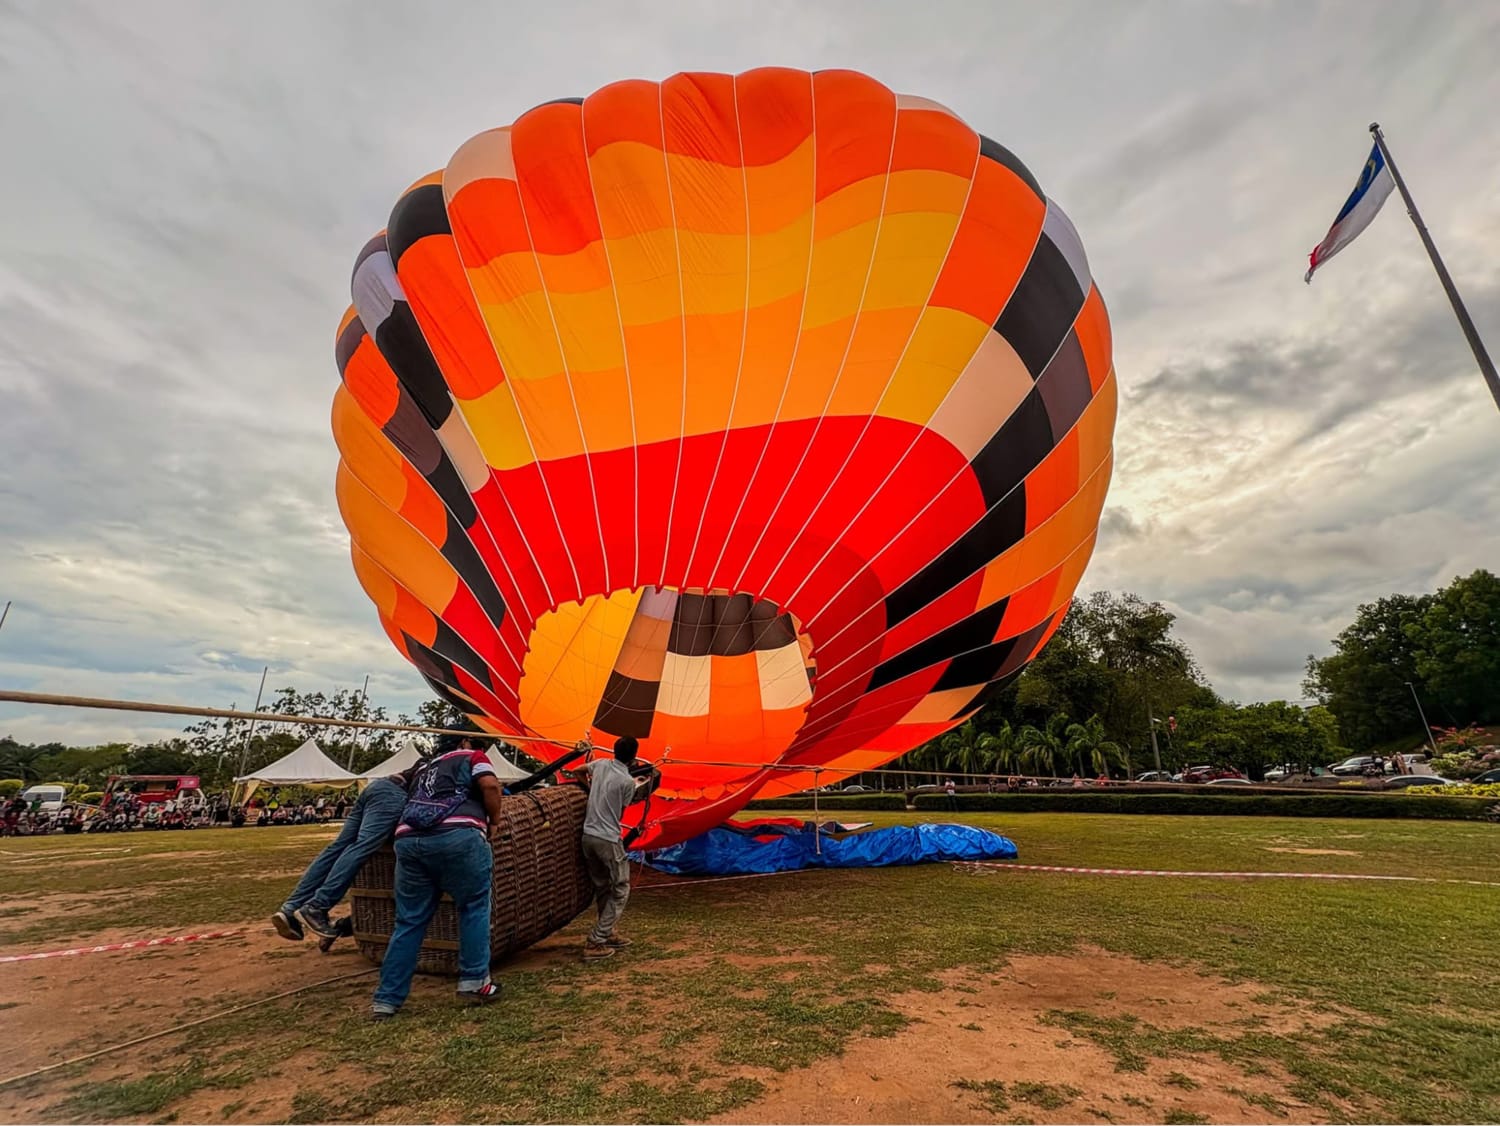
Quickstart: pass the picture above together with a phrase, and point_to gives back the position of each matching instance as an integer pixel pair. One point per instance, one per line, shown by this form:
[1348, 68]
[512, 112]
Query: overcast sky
[186, 186]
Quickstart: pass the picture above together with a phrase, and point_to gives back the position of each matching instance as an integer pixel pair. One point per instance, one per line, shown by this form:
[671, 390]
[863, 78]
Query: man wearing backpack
[443, 846]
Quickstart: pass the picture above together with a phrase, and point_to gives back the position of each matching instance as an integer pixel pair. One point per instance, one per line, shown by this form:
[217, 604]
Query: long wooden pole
[10, 697]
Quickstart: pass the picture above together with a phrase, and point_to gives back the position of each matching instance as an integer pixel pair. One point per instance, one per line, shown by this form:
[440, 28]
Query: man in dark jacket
[443, 846]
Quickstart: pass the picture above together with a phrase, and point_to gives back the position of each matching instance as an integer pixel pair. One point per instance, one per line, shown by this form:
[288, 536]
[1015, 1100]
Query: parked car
[1355, 764]
[1405, 781]
[51, 796]
[1488, 776]
[1230, 782]
[1155, 776]
[1209, 773]
[1277, 773]
[856, 789]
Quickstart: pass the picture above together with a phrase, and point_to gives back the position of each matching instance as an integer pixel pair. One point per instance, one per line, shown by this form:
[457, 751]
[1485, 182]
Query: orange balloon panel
[765, 418]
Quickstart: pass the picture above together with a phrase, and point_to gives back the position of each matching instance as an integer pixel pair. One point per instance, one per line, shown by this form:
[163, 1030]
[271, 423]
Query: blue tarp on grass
[726, 852]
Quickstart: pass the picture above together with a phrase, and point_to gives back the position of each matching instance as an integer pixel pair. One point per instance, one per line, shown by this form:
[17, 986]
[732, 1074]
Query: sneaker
[343, 928]
[381, 1014]
[618, 941]
[316, 920]
[489, 991]
[596, 951]
[287, 925]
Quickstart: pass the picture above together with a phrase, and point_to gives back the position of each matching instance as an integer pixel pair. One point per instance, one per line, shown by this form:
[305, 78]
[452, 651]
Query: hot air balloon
[765, 417]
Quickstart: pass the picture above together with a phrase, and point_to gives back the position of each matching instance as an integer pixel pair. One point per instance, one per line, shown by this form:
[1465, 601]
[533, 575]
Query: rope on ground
[979, 867]
[184, 1027]
[694, 881]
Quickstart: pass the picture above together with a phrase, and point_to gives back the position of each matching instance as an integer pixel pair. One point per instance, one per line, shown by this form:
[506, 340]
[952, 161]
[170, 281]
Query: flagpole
[1486, 365]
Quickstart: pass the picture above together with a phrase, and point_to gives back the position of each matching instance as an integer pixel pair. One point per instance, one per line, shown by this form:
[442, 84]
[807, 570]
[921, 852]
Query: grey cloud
[186, 210]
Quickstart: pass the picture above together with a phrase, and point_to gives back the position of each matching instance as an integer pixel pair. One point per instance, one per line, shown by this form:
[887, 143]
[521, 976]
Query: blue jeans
[369, 825]
[458, 862]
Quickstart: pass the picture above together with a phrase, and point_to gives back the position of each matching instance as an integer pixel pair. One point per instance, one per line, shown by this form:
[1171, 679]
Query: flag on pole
[1374, 185]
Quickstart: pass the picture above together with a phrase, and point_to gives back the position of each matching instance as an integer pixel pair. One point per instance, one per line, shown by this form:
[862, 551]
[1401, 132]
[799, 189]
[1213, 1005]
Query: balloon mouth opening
[715, 677]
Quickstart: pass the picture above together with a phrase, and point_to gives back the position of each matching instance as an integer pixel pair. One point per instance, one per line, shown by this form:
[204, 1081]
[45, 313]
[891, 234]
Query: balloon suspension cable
[534, 779]
[817, 824]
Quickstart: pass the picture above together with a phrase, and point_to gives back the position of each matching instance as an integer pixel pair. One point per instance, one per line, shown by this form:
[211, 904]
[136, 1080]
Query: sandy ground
[984, 1029]
[978, 1029]
[60, 1008]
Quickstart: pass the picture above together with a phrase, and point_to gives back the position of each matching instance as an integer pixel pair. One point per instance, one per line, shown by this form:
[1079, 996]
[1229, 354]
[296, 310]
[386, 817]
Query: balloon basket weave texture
[540, 884]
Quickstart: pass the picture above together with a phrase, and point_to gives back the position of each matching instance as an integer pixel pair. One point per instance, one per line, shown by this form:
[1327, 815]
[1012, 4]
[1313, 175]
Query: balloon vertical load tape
[802, 488]
[540, 883]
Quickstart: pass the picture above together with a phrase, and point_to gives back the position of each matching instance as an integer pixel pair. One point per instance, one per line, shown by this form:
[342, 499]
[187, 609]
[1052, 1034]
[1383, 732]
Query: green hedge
[834, 802]
[1422, 806]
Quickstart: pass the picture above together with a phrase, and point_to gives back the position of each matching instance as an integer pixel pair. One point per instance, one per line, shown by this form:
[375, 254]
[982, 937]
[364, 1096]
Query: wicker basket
[540, 884]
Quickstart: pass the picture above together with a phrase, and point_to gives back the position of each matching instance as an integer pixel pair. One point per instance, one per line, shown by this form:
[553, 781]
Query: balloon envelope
[766, 418]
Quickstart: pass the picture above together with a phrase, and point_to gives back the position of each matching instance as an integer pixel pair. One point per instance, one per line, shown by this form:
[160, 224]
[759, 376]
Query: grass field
[735, 989]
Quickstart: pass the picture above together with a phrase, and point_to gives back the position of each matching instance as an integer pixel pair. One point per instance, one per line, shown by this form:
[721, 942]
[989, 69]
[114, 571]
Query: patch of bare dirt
[992, 1029]
[1315, 851]
[54, 905]
[270, 1098]
[61, 1008]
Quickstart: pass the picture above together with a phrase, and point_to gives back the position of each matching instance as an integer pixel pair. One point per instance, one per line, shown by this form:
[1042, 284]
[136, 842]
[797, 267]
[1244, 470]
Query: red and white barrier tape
[109, 947]
[1004, 866]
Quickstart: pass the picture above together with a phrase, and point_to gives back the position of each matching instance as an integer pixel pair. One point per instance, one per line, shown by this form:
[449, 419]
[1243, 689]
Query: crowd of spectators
[125, 812]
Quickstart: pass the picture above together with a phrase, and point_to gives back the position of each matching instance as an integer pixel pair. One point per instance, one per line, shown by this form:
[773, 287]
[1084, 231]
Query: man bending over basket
[367, 827]
[443, 839]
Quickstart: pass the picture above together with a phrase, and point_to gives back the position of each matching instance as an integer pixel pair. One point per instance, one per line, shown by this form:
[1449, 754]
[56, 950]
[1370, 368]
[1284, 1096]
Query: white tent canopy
[505, 770]
[306, 766]
[410, 754]
[404, 759]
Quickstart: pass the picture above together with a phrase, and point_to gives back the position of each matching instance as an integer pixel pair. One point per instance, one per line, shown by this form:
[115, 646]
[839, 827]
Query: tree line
[1439, 650]
[1113, 673]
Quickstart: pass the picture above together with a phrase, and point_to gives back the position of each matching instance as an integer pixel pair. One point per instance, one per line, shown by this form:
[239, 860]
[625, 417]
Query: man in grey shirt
[611, 788]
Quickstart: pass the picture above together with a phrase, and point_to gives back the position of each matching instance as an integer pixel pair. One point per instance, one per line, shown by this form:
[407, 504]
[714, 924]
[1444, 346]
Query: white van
[52, 797]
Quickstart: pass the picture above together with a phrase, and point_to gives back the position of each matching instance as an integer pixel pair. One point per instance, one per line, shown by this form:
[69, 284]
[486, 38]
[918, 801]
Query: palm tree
[954, 747]
[1001, 748]
[975, 755]
[1089, 747]
[1043, 747]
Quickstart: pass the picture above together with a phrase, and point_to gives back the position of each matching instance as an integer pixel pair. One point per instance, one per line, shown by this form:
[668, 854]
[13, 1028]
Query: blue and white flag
[1374, 185]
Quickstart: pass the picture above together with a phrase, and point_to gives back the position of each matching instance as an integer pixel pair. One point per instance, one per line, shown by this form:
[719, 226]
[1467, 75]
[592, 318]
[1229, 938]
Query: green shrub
[833, 803]
[92, 797]
[1463, 790]
[1440, 807]
[10, 787]
[1458, 766]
